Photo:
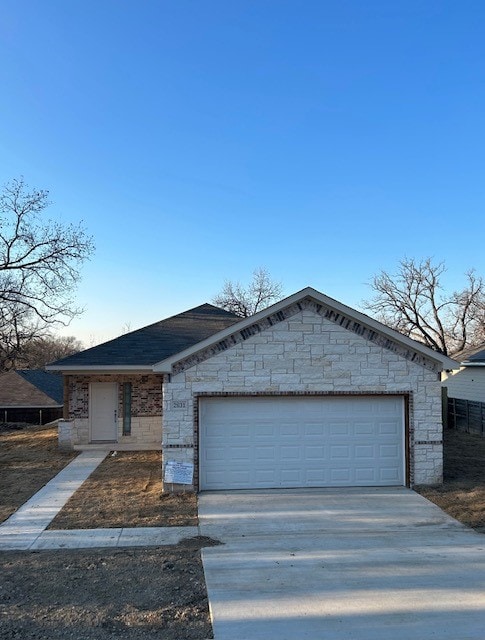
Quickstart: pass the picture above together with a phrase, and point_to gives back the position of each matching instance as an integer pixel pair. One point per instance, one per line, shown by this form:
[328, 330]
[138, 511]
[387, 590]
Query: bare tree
[414, 302]
[16, 330]
[39, 268]
[39, 351]
[260, 293]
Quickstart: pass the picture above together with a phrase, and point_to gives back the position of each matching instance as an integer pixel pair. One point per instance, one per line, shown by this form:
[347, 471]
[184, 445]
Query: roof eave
[94, 369]
[165, 366]
[31, 406]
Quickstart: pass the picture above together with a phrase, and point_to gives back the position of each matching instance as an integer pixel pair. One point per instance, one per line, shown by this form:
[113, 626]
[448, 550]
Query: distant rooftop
[474, 354]
[158, 341]
[31, 388]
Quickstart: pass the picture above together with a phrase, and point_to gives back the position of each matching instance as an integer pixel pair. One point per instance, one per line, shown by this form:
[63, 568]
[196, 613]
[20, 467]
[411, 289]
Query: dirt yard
[29, 458]
[126, 491]
[462, 494]
[134, 594]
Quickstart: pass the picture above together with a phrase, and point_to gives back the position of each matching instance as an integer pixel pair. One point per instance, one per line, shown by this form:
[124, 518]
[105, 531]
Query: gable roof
[143, 348]
[31, 388]
[349, 318]
[471, 355]
[209, 329]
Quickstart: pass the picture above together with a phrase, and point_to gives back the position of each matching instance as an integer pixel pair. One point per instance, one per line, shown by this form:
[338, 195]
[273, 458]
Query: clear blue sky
[323, 140]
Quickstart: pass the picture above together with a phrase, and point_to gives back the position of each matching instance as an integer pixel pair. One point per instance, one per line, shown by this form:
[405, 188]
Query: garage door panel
[313, 429]
[389, 475]
[241, 476]
[239, 453]
[265, 477]
[262, 430]
[315, 453]
[316, 472]
[264, 453]
[290, 453]
[388, 428]
[389, 451]
[339, 429]
[291, 442]
[341, 452]
[291, 477]
[365, 451]
[340, 476]
[215, 454]
[289, 429]
[364, 428]
[365, 474]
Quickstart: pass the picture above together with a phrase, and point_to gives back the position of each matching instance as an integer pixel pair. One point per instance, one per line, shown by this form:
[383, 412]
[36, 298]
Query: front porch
[112, 412]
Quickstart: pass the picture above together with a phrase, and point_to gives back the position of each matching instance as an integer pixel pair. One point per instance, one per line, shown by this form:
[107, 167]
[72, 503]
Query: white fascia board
[473, 364]
[165, 366]
[87, 370]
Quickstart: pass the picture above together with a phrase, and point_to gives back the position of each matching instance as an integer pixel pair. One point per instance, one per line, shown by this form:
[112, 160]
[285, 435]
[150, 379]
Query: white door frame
[92, 436]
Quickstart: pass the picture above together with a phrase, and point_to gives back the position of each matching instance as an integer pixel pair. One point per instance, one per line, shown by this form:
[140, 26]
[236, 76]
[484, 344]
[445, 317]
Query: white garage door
[270, 442]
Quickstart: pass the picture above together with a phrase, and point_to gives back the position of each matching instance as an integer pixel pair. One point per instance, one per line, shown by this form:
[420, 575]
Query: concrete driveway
[366, 564]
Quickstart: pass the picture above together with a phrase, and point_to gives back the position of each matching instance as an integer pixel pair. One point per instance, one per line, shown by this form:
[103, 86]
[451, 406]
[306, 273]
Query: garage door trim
[405, 395]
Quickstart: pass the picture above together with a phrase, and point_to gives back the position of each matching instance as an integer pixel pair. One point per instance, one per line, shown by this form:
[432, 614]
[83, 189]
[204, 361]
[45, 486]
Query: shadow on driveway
[340, 563]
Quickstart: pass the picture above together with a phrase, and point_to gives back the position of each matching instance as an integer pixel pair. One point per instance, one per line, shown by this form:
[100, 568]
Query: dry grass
[462, 494]
[126, 491]
[89, 594]
[29, 458]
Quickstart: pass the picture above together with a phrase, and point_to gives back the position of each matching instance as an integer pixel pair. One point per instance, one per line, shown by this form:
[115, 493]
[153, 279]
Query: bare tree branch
[414, 302]
[261, 292]
[40, 261]
[39, 351]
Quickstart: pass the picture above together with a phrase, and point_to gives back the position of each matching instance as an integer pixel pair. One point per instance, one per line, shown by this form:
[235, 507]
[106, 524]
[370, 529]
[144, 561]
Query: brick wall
[146, 394]
[146, 407]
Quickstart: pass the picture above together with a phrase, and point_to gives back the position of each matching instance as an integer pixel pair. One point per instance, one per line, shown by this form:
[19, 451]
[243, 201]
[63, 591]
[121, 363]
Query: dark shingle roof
[158, 341]
[46, 381]
[479, 356]
[471, 354]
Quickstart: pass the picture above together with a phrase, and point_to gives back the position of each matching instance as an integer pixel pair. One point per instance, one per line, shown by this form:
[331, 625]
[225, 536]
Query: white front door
[103, 411]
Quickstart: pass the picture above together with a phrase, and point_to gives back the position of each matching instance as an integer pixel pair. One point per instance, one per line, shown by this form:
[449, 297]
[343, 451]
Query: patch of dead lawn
[462, 494]
[126, 491]
[135, 594]
[29, 458]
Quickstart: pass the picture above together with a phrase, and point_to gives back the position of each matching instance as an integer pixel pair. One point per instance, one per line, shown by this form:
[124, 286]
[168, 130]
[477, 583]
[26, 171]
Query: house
[467, 381]
[308, 392]
[30, 395]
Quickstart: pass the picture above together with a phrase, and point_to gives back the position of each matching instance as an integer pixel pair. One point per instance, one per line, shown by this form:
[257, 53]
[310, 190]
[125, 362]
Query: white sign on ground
[178, 472]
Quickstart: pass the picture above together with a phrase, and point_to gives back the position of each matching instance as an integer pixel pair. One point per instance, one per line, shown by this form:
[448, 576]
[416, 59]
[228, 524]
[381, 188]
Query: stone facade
[146, 409]
[307, 351]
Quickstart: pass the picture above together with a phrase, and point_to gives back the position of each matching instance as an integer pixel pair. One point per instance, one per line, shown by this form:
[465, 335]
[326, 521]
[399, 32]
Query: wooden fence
[466, 415]
[30, 416]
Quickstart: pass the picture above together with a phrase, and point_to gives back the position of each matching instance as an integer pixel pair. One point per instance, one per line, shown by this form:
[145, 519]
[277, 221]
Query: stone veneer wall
[308, 352]
[146, 407]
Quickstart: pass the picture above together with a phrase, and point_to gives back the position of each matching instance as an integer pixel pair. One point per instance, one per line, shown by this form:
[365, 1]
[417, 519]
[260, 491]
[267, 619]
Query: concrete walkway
[340, 564]
[26, 528]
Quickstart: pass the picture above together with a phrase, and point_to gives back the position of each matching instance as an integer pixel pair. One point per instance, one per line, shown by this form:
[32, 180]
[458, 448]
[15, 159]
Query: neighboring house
[307, 393]
[467, 382]
[30, 395]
